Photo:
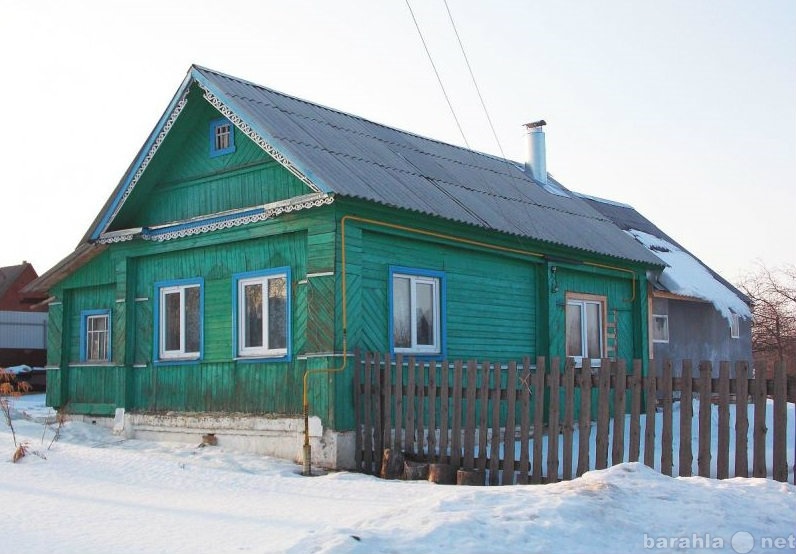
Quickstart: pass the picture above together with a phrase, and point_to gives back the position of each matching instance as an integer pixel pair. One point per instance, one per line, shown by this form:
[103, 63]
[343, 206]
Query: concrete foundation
[277, 436]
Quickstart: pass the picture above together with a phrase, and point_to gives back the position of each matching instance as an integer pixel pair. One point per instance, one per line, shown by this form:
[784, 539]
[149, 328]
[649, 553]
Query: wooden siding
[184, 181]
[491, 300]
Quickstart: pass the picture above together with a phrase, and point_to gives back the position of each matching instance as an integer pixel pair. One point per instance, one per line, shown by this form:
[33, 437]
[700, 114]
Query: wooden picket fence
[486, 417]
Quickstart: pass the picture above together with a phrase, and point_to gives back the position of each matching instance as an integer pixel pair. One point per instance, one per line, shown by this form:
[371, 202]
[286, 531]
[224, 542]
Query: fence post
[649, 428]
[456, 429]
[509, 447]
[553, 421]
[604, 384]
[358, 419]
[759, 392]
[538, 418]
[483, 416]
[723, 454]
[686, 416]
[525, 422]
[780, 423]
[569, 415]
[411, 391]
[667, 431]
[584, 424]
[469, 427]
[635, 412]
[741, 419]
[618, 453]
[432, 412]
[705, 384]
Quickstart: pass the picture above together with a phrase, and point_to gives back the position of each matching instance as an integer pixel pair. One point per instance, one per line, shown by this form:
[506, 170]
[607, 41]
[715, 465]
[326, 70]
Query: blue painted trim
[236, 278]
[200, 222]
[215, 124]
[84, 315]
[119, 193]
[252, 122]
[156, 310]
[443, 309]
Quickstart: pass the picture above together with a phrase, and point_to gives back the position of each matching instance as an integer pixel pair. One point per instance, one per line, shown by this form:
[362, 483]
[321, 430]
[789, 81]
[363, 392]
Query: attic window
[735, 326]
[222, 137]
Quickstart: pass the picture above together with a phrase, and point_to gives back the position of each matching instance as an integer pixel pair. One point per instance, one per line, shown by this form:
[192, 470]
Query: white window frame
[665, 318]
[86, 335]
[263, 279]
[582, 300]
[181, 353]
[415, 279]
[735, 326]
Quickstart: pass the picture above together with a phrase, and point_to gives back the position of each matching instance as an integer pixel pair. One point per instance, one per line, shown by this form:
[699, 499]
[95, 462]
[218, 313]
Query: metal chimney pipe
[536, 157]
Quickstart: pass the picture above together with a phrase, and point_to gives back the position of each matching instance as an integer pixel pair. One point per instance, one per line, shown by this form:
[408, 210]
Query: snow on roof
[686, 276]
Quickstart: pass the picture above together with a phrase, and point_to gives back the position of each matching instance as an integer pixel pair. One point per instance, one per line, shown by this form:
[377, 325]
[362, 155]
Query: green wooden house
[256, 237]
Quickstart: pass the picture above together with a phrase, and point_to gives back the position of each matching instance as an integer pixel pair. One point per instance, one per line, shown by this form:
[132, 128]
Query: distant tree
[773, 296]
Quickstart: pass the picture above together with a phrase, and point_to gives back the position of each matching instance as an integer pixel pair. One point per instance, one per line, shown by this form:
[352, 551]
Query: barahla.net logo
[741, 542]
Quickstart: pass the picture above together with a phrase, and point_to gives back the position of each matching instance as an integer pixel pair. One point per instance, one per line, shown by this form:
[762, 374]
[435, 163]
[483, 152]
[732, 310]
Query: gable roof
[338, 154]
[685, 274]
[9, 275]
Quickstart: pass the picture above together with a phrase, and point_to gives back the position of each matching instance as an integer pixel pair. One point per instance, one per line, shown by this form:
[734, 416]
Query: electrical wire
[475, 84]
[439, 79]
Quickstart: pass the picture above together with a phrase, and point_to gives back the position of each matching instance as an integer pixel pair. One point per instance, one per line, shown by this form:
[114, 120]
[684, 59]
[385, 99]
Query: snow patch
[686, 276]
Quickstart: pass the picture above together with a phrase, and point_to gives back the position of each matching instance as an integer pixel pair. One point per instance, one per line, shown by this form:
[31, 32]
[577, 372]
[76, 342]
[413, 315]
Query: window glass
[172, 320]
[425, 314]
[96, 337]
[277, 313]
[416, 313]
[574, 325]
[402, 326]
[192, 319]
[660, 328]
[593, 330]
[253, 318]
[263, 314]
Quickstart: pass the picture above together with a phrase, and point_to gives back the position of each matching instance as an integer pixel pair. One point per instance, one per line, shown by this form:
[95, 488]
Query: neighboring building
[23, 327]
[695, 314]
[257, 236]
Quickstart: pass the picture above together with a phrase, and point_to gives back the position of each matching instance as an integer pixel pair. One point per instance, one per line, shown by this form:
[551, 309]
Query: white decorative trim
[269, 212]
[320, 274]
[246, 129]
[148, 158]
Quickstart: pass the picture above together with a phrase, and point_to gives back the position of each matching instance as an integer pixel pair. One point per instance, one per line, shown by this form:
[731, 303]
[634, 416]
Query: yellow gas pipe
[307, 451]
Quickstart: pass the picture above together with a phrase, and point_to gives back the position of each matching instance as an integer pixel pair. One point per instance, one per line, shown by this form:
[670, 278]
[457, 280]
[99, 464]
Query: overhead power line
[439, 79]
[475, 84]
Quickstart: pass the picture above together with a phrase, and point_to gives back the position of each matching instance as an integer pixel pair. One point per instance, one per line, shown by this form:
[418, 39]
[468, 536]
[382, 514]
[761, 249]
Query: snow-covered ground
[96, 492]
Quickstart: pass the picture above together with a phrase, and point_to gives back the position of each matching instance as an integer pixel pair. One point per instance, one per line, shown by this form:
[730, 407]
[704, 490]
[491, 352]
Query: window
[222, 137]
[735, 326]
[95, 336]
[660, 328]
[262, 312]
[585, 321]
[416, 303]
[178, 320]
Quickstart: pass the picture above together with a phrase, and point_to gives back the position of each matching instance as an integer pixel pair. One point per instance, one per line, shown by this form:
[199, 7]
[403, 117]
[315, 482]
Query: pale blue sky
[684, 109]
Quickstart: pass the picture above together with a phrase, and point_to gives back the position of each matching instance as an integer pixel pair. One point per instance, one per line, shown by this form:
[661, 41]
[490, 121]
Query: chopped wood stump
[471, 477]
[415, 471]
[392, 464]
[442, 474]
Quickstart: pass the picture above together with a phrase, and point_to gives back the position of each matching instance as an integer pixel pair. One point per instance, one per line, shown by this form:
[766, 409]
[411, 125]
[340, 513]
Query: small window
[660, 328]
[735, 326]
[222, 137]
[95, 333]
[585, 334]
[417, 300]
[262, 306]
[178, 320]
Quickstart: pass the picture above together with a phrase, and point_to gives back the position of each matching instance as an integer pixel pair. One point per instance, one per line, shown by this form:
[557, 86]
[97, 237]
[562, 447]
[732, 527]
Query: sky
[685, 110]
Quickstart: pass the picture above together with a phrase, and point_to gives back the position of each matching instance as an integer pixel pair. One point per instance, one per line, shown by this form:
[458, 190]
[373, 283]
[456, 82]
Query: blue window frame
[262, 314]
[179, 320]
[95, 336]
[222, 137]
[417, 311]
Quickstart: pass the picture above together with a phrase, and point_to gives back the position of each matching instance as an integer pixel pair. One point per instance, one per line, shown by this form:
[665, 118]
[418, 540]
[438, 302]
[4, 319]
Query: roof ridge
[347, 114]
